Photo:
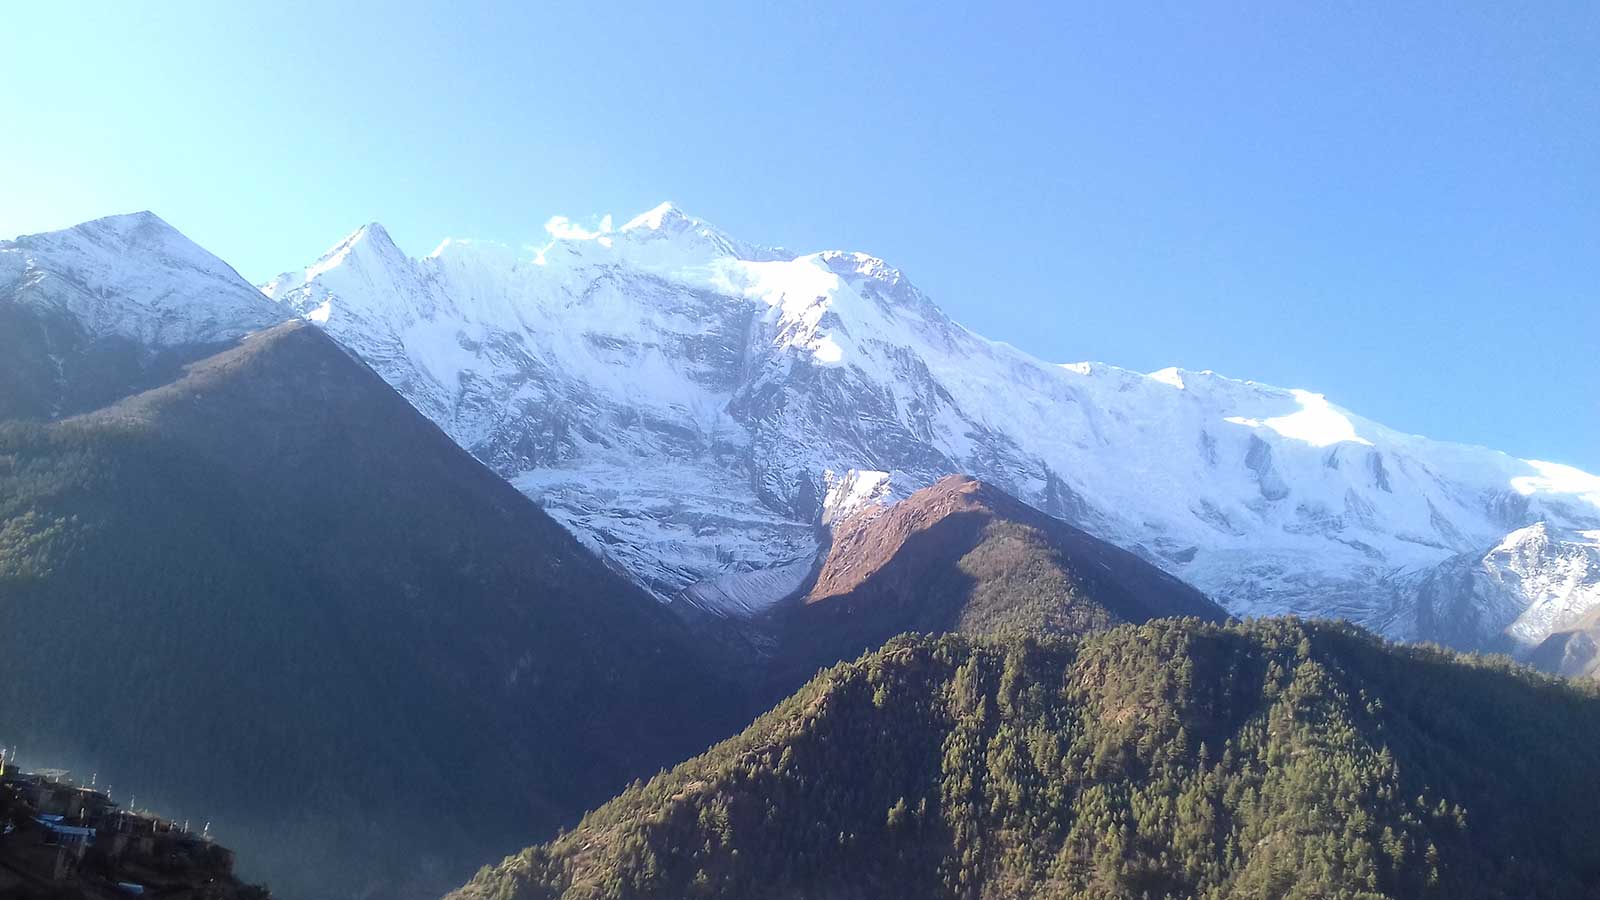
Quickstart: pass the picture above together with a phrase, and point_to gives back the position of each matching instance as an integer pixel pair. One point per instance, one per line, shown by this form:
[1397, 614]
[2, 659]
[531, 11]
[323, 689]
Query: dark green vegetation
[271, 595]
[963, 556]
[49, 368]
[1275, 759]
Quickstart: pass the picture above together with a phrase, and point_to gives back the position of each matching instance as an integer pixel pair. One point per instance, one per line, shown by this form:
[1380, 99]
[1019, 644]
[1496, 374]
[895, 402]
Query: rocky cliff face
[688, 404]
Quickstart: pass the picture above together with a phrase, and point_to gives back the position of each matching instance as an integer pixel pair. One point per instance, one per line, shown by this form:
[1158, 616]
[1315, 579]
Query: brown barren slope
[964, 556]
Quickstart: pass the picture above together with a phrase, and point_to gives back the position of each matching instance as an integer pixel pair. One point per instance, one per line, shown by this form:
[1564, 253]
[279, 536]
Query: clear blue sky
[1395, 204]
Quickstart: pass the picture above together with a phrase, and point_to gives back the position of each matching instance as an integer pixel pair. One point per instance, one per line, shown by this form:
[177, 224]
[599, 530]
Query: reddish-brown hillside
[964, 556]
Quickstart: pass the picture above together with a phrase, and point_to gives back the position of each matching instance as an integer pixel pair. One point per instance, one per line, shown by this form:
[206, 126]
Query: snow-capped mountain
[694, 407]
[95, 312]
[132, 277]
[1537, 581]
[691, 405]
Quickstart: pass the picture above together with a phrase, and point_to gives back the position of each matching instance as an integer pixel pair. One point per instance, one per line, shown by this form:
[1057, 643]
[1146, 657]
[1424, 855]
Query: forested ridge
[273, 596]
[1180, 758]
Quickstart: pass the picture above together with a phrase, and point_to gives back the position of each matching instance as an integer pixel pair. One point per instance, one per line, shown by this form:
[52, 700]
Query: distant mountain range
[691, 406]
[686, 403]
[243, 531]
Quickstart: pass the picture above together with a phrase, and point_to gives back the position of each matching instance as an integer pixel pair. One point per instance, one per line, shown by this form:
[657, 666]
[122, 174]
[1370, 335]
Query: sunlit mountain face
[691, 405]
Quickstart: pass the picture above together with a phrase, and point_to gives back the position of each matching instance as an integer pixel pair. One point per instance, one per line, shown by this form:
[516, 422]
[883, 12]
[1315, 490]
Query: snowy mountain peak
[685, 402]
[667, 220]
[697, 240]
[141, 236]
[665, 215]
[863, 269]
[365, 284]
[135, 277]
[134, 228]
[1535, 581]
[1170, 375]
[1531, 538]
[661, 238]
[370, 240]
[680, 398]
[375, 236]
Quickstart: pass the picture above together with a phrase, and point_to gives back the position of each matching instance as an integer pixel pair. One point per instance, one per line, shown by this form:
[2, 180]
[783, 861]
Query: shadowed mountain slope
[273, 595]
[1574, 652]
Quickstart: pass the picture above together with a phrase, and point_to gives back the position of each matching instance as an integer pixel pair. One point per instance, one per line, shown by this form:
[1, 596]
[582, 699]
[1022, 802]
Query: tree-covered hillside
[1274, 759]
[270, 594]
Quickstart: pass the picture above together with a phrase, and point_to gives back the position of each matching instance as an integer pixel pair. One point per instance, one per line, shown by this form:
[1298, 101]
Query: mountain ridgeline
[682, 401]
[1175, 759]
[468, 543]
[290, 604]
[91, 314]
[963, 556]
[272, 595]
